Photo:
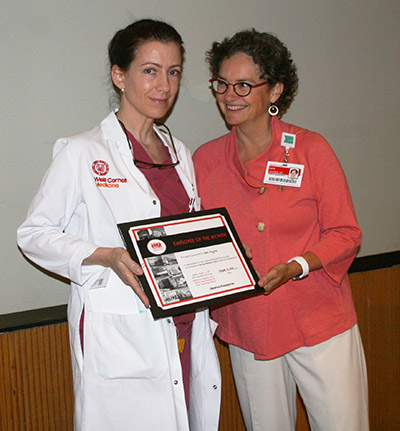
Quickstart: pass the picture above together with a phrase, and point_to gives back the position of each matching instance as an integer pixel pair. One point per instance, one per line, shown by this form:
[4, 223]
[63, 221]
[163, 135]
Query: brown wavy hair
[270, 55]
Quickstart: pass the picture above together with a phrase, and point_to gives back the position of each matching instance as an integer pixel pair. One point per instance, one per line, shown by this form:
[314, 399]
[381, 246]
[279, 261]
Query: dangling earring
[273, 110]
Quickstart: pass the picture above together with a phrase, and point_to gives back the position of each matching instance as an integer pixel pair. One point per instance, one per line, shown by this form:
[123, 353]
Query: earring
[122, 91]
[273, 110]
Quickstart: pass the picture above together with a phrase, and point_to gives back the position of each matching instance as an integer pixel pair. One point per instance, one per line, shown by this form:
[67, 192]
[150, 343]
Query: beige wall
[54, 83]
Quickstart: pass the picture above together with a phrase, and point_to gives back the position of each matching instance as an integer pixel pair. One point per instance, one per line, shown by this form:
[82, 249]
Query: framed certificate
[190, 261]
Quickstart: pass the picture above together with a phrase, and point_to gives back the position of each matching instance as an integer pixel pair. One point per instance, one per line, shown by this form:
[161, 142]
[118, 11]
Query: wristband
[304, 266]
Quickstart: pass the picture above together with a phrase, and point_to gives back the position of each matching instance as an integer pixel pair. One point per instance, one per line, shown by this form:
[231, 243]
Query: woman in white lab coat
[128, 372]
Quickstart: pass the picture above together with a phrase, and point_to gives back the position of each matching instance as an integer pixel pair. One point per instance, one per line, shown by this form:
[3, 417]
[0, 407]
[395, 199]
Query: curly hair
[270, 55]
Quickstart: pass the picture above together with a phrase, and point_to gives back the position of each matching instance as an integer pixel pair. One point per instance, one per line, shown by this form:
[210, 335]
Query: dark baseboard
[376, 261]
[33, 318]
[58, 314]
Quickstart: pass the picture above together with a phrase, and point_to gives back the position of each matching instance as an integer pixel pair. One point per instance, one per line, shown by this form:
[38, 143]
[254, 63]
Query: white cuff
[304, 266]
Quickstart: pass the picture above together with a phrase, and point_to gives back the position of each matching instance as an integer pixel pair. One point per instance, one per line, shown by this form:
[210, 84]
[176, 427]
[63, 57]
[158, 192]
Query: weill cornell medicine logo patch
[100, 167]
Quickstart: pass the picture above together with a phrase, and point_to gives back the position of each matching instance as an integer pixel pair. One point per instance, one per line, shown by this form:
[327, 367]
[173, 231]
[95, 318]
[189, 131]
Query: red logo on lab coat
[100, 167]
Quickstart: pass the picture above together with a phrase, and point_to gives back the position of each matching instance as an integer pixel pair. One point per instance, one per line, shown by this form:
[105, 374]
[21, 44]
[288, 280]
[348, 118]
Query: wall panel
[36, 380]
[377, 300]
[36, 383]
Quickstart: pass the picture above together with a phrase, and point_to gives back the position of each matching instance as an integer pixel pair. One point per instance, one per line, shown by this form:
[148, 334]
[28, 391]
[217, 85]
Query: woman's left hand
[278, 275]
[283, 272]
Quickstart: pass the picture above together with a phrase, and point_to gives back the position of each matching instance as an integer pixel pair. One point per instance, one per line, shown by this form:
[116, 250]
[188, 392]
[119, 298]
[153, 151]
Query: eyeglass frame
[251, 86]
[149, 165]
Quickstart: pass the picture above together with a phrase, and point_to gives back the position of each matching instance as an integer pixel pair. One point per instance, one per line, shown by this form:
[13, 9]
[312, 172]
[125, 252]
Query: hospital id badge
[284, 174]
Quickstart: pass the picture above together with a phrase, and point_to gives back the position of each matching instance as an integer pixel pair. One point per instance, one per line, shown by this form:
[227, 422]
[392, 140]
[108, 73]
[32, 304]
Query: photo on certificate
[190, 261]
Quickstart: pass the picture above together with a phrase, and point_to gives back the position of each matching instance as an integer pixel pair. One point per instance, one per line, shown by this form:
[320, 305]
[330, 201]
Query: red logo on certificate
[156, 246]
[100, 167]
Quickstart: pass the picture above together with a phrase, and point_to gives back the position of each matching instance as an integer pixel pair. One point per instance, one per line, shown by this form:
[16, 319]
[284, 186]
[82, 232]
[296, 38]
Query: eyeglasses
[242, 89]
[146, 165]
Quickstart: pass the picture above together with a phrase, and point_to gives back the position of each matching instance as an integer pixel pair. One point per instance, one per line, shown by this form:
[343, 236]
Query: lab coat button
[261, 226]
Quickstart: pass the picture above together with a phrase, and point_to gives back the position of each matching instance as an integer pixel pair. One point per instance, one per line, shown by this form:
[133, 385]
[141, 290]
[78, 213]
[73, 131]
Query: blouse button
[175, 382]
[261, 226]
[261, 190]
[154, 202]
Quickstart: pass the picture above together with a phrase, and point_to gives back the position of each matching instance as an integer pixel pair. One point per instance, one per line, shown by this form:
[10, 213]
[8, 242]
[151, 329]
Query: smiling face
[252, 109]
[151, 83]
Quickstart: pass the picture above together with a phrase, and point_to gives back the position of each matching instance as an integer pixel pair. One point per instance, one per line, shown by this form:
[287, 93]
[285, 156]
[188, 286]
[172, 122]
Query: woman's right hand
[119, 260]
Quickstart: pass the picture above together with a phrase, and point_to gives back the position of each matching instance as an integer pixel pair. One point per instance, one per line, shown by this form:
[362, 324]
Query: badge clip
[288, 140]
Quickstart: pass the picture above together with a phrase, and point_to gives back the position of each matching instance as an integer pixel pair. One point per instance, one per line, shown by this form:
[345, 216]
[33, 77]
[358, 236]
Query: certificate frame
[190, 261]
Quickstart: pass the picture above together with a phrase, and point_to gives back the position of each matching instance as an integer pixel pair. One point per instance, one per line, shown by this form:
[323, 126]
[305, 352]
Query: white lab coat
[129, 377]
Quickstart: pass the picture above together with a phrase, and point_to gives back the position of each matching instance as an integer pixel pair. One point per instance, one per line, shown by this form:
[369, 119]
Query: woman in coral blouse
[303, 236]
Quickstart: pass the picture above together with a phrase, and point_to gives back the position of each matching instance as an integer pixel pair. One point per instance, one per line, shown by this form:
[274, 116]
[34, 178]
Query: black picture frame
[158, 253]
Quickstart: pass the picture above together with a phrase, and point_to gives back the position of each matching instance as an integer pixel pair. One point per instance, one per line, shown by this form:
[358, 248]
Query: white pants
[331, 378]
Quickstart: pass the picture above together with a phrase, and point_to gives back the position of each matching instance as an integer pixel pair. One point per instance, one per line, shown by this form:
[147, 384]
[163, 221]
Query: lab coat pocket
[126, 346]
[110, 295]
